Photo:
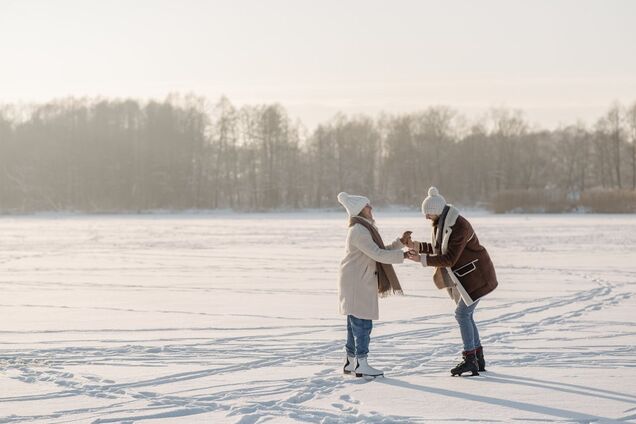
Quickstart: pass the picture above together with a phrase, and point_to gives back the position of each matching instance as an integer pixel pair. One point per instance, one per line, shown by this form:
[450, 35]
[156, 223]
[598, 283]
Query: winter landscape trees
[105, 155]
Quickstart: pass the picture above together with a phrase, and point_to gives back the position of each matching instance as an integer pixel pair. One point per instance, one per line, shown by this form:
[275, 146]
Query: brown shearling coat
[462, 253]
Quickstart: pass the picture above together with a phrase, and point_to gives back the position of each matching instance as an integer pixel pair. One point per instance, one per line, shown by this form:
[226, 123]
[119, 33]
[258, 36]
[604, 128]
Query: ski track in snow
[214, 354]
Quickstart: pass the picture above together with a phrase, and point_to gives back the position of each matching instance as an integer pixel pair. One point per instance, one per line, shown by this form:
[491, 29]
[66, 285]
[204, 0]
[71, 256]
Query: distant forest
[111, 155]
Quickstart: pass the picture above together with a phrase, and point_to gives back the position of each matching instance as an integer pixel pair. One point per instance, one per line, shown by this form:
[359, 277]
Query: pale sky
[557, 60]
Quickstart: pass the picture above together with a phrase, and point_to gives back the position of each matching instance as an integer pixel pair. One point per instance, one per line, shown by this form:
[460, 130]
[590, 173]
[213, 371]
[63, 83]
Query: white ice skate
[350, 364]
[363, 369]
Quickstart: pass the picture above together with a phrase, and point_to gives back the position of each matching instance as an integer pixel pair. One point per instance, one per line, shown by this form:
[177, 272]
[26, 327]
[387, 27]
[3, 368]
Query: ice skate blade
[474, 374]
[367, 376]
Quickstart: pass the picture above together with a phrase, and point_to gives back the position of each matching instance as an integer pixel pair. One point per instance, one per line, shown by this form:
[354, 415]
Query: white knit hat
[353, 204]
[434, 203]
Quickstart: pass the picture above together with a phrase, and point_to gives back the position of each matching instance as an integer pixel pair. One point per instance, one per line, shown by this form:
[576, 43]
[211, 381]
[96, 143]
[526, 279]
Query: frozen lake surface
[233, 318]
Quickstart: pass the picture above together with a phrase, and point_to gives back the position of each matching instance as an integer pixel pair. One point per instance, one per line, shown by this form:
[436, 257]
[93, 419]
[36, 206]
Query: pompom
[342, 196]
[433, 191]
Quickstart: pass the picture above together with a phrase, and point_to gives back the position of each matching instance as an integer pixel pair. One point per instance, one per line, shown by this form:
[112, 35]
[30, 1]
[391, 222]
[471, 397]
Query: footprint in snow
[349, 399]
[344, 408]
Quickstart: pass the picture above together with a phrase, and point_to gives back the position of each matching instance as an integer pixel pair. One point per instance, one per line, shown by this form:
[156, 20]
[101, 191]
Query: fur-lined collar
[451, 217]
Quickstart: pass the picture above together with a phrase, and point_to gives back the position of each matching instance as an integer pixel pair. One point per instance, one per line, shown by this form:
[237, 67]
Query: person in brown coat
[463, 267]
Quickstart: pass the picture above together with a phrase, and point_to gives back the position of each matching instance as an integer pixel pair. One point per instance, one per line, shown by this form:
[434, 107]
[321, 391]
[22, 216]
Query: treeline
[184, 153]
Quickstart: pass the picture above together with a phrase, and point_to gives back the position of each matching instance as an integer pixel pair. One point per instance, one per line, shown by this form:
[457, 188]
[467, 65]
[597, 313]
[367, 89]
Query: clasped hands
[411, 254]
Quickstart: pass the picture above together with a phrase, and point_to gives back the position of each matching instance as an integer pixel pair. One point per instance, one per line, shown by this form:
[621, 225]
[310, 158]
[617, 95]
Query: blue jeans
[467, 327]
[358, 336]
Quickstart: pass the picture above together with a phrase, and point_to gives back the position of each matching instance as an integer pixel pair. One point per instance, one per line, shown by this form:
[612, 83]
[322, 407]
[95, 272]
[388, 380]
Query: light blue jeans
[467, 327]
[358, 336]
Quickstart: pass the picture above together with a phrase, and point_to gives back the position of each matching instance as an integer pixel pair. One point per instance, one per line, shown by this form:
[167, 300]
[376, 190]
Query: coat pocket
[370, 275]
[466, 269]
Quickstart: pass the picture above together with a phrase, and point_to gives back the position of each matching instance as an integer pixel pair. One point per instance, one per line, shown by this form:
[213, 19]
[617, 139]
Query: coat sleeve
[397, 244]
[456, 244]
[423, 247]
[361, 238]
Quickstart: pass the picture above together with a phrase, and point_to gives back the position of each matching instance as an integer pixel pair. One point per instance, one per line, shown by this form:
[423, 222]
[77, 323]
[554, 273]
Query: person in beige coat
[365, 274]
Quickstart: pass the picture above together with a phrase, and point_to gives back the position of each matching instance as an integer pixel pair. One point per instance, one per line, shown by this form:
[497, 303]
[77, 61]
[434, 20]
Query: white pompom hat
[434, 203]
[353, 204]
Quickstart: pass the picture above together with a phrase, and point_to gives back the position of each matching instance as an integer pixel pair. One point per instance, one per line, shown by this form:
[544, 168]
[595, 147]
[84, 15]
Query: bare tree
[614, 119]
[631, 125]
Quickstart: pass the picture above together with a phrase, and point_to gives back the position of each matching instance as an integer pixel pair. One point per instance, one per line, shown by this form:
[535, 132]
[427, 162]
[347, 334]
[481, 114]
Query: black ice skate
[481, 362]
[469, 364]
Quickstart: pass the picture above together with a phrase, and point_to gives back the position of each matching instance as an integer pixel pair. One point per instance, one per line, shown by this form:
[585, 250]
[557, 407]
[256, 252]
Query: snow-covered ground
[233, 318]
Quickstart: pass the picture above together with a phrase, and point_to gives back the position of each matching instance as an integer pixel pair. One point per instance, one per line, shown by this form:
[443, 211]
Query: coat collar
[451, 219]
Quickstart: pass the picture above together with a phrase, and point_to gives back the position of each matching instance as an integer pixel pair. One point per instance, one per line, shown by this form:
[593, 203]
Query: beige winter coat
[358, 285]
